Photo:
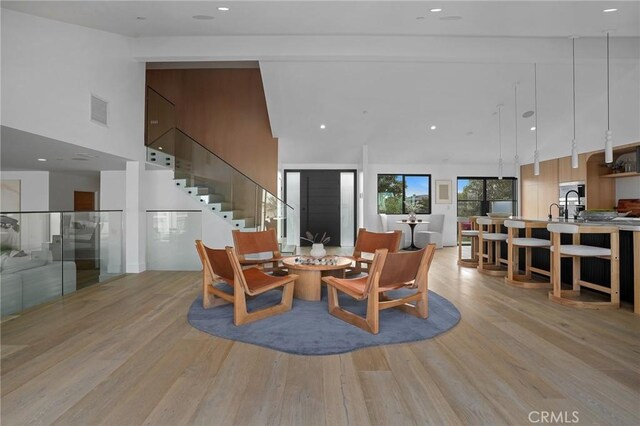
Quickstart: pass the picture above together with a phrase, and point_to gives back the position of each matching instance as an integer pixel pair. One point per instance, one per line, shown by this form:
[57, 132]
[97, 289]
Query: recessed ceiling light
[419, 17]
[42, 159]
[527, 114]
[223, 9]
[160, 148]
[322, 126]
[533, 128]
[435, 10]
[141, 18]
[203, 17]
[433, 127]
[610, 10]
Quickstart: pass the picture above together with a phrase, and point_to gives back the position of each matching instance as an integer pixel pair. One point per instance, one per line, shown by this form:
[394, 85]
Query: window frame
[404, 176]
[484, 202]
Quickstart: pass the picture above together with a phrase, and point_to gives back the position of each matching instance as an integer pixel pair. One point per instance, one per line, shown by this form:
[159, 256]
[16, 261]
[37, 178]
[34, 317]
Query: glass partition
[170, 240]
[49, 254]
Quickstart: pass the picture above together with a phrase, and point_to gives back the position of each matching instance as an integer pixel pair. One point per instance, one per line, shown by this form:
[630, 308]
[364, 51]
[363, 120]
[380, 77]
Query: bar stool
[577, 251]
[471, 262]
[514, 277]
[493, 240]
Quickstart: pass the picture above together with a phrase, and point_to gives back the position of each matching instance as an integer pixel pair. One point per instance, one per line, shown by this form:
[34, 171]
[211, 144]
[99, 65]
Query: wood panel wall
[538, 192]
[225, 110]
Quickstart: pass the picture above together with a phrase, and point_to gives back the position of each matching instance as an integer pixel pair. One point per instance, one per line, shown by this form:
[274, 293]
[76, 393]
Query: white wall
[437, 172]
[112, 188]
[63, 185]
[49, 71]
[628, 187]
[34, 189]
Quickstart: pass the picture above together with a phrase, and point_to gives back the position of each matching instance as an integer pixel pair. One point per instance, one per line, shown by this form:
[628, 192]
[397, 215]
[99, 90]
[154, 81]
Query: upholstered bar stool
[514, 277]
[578, 251]
[465, 222]
[492, 265]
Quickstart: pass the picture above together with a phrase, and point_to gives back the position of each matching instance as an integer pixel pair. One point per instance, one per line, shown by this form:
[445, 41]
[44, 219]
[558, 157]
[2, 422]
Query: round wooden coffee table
[307, 286]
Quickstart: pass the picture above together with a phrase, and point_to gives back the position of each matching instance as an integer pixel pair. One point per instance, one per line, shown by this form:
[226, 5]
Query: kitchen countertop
[623, 223]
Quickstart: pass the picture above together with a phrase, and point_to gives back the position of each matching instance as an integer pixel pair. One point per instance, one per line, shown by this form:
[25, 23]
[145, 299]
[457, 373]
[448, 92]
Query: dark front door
[320, 204]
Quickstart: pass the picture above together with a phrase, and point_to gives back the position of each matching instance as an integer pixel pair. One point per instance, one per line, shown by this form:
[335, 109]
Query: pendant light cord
[515, 109]
[608, 121]
[500, 131]
[574, 88]
[535, 98]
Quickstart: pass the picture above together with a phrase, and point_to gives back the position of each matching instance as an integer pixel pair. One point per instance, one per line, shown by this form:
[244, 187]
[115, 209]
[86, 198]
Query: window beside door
[478, 196]
[395, 191]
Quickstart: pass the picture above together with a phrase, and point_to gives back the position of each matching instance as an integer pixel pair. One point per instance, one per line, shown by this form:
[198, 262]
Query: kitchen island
[597, 270]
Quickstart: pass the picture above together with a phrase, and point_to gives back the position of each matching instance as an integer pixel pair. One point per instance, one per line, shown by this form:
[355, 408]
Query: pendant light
[500, 141]
[536, 157]
[574, 144]
[516, 159]
[608, 144]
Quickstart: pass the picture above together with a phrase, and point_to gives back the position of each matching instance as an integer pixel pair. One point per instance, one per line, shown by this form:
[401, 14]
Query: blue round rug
[309, 329]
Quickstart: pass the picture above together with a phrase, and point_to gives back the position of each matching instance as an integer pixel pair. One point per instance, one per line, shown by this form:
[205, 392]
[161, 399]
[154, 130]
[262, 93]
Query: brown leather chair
[389, 271]
[369, 242]
[247, 243]
[221, 265]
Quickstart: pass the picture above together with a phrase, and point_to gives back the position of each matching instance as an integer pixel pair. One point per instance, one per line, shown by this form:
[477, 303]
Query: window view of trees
[479, 196]
[398, 193]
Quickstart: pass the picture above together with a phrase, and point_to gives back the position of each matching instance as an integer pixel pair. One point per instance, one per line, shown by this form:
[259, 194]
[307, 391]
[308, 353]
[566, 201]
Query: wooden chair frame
[362, 264]
[492, 265]
[567, 297]
[268, 242]
[376, 297]
[471, 262]
[526, 280]
[212, 296]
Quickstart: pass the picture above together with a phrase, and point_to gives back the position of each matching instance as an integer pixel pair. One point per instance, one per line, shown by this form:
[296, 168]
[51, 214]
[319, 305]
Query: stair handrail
[213, 153]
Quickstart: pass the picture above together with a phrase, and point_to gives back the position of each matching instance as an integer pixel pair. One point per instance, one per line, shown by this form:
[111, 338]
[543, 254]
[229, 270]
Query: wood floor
[122, 353]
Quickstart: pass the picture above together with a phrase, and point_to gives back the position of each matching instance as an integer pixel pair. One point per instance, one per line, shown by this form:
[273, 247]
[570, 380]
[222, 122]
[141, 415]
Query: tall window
[478, 196]
[397, 193]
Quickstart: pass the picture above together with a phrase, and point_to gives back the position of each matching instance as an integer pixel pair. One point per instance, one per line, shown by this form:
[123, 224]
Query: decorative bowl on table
[498, 215]
[602, 215]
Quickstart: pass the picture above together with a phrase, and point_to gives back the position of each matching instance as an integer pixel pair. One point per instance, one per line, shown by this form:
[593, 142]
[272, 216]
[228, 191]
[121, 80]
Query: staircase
[219, 187]
[203, 191]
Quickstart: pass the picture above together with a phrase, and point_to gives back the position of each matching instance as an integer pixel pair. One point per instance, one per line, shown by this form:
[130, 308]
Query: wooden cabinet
[566, 173]
[601, 193]
[528, 192]
[538, 192]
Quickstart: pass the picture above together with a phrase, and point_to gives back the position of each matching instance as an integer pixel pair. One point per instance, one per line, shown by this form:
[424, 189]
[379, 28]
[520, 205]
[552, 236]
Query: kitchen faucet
[566, 203]
[551, 205]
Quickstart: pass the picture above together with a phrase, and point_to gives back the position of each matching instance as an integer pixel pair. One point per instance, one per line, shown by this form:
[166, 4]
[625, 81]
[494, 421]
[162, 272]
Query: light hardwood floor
[123, 353]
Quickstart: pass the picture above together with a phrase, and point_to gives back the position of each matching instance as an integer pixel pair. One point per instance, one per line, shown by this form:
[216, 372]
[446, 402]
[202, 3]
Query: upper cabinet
[566, 173]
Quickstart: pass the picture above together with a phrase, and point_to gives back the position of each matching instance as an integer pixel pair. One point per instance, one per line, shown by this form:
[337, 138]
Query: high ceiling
[457, 18]
[449, 69]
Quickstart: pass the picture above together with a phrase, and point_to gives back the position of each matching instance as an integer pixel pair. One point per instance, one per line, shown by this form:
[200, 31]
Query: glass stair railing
[219, 187]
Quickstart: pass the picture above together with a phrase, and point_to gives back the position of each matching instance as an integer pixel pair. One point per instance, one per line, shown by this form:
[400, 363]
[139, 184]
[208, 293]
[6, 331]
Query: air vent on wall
[98, 110]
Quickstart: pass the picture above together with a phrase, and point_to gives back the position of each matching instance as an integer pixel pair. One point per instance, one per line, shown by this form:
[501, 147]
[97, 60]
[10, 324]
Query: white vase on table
[318, 251]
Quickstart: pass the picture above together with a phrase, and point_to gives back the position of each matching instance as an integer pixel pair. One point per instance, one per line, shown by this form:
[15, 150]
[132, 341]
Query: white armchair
[433, 233]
